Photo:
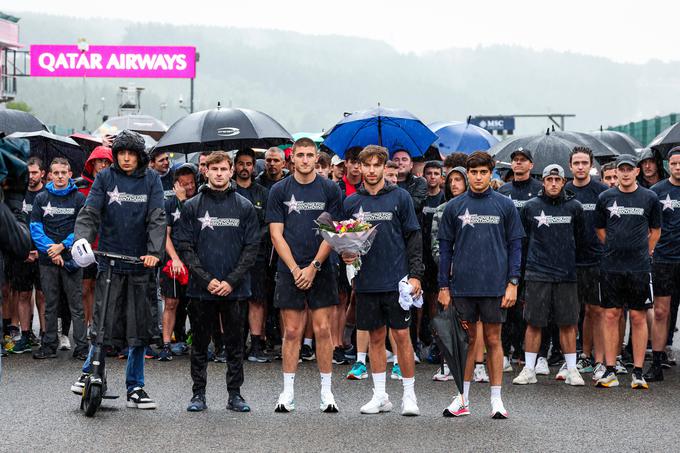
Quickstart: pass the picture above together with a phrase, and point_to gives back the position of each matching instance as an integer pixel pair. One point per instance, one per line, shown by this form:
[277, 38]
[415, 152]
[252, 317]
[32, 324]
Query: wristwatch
[514, 281]
[316, 264]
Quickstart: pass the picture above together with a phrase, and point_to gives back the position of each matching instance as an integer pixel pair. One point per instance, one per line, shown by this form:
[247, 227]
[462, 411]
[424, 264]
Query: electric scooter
[95, 384]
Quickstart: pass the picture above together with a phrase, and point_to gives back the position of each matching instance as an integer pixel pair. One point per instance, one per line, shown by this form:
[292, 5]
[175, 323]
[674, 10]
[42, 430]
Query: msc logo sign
[494, 123]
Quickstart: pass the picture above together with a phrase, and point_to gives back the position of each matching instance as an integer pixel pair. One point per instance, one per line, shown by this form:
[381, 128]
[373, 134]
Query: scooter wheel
[92, 399]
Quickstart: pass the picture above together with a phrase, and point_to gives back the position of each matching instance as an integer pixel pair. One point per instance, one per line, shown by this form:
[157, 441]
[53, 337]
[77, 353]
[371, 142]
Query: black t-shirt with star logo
[668, 248]
[590, 253]
[297, 206]
[627, 219]
[521, 191]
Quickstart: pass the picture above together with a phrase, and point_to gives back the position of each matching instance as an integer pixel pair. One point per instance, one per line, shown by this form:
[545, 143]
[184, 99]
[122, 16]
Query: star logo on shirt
[467, 219]
[48, 210]
[176, 215]
[361, 215]
[614, 210]
[292, 205]
[24, 207]
[206, 221]
[542, 219]
[667, 203]
[114, 196]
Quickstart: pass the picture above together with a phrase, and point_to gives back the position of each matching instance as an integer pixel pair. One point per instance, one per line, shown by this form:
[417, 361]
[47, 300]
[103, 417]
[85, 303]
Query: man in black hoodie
[125, 206]
[555, 227]
[218, 238]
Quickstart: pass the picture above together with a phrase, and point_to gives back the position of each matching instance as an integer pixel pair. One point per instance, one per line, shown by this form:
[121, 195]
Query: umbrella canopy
[459, 136]
[546, 149]
[392, 128]
[666, 140]
[17, 121]
[47, 146]
[144, 124]
[226, 129]
[599, 148]
[86, 142]
[623, 143]
[13, 156]
[452, 340]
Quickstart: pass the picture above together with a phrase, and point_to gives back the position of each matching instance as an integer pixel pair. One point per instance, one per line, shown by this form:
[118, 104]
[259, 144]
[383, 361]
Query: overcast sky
[623, 30]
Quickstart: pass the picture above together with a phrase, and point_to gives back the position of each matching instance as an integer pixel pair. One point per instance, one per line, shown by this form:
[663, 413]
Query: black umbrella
[546, 149]
[47, 146]
[600, 149]
[452, 340]
[666, 140]
[225, 129]
[17, 121]
[623, 143]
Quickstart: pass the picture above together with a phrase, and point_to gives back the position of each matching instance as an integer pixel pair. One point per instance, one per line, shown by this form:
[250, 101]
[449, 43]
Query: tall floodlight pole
[83, 47]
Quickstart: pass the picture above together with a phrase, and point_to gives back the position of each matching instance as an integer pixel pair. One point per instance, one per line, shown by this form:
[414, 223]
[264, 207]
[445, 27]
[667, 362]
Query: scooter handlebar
[118, 257]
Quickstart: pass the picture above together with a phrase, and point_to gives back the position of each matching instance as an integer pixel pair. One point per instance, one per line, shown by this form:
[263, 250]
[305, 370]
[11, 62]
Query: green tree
[19, 105]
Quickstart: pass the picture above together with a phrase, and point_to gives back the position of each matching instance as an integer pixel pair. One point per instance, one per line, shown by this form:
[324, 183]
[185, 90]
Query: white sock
[289, 383]
[495, 391]
[379, 383]
[325, 382]
[466, 389]
[308, 342]
[571, 360]
[409, 384]
[530, 360]
[395, 359]
[361, 357]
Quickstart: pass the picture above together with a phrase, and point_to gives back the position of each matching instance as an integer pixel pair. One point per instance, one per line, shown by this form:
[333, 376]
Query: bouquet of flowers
[353, 236]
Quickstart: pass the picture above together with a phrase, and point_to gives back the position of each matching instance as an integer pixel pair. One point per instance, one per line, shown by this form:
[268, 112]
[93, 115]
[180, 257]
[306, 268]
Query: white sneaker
[457, 408]
[542, 367]
[390, 357]
[328, 404]
[507, 365]
[378, 404]
[498, 411]
[574, 378]
[620, 369]
[480, 374]
[64, 343]
[442, 375]
[526, 376]
[562, 374]
[409, 405]
[286, 403]
[415, 357]
[598, 371]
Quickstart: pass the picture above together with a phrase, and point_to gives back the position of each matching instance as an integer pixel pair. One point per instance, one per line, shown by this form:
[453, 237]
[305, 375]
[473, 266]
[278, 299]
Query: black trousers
[204, 317]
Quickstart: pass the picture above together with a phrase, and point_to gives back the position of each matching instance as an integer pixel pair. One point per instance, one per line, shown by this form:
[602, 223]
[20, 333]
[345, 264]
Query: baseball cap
[525, 152]
[553, 170]
[626, 159]
[675, 150]
[335, 160]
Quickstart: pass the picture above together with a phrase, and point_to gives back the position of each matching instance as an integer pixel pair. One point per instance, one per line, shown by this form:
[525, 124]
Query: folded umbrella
[452, 340]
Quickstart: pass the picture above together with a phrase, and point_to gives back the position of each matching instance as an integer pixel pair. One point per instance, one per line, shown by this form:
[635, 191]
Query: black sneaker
[654, 373]
[307, 353]
[627, 357]
[44, 353]
[350, 353]
[197, 403]
[139, 399]
[237, 403]
[664, 361]
[555, 358]
[222, 356]
[165, 354]
[339, 357]
[258, 356]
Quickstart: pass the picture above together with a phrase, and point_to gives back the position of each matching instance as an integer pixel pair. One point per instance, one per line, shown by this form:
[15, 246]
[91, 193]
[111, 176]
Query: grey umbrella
[600, 149]
[546, 149]
[144, 124]
[47, 146]
[666, 140]
[17, 121]
[623, 143]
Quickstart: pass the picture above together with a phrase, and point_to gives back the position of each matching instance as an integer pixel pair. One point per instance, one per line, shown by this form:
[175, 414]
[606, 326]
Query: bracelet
[293, 269]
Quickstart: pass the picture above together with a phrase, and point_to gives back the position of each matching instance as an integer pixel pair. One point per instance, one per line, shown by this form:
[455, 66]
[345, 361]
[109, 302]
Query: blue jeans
[134, 372]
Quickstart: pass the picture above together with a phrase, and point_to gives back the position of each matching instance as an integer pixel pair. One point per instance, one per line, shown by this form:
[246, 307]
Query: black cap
[525, 152]
[675, 150]
[626, 159]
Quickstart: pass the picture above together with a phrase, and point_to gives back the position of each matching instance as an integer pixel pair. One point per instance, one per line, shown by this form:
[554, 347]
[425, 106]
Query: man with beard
[160, 162]
[274, 168]
[651, 168]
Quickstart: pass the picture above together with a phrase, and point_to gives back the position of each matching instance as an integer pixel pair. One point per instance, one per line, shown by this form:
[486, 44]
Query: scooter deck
[110, 397]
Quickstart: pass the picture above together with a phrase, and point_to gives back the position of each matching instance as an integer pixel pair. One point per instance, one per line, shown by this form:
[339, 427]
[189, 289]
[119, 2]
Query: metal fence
[645, 130]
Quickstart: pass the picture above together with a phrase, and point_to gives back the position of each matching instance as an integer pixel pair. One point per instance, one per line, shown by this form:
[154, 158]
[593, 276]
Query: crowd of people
[542, 271]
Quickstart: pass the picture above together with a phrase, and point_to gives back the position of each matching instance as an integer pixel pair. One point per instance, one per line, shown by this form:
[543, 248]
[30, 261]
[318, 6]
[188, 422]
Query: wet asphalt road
[39, 413]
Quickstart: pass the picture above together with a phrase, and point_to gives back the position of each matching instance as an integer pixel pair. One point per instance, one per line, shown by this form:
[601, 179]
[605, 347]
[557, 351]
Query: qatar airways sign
[113, 61]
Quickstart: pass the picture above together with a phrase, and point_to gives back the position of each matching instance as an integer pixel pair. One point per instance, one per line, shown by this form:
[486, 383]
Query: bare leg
[639, 336]
[407, 361]
[494, 356]
[612, 342]
[293, 328]
[321, 320]
[169, 315]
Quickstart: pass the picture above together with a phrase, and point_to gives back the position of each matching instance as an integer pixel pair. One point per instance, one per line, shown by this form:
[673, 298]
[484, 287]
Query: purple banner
[113, 61]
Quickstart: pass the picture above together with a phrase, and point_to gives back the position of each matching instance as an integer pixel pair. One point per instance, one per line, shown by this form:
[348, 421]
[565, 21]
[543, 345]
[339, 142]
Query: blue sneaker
[179, 348]
[22, 345]
[149, 353]
[358, 372]
[166, 353]
[396, 372]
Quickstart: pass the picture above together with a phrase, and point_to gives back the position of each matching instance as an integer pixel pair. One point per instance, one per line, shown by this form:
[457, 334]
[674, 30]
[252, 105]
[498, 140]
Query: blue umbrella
[463, 137]
[392, 128]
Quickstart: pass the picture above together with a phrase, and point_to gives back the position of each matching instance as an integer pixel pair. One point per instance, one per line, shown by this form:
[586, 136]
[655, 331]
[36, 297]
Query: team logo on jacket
[618, 211]
[176, 215]
[669, 203]
[297, 206]
[26, 208]
[168, 193]
[212, 222]
[547, 220]
[365, 216]
[121, 197]
[51, 210]
[475, 219]
[588, 206]
[518, 203]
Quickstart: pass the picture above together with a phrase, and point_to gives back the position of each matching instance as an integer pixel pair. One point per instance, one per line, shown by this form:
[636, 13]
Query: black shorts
[631, 290]
[588, 285]
[90, 272]
[486, 309]
[323, 293]
[24, 276]
[170, 287]
[375, 310]
[343, 283]
[258, 285]
[430, 282]
[666, 278]
[554, 302]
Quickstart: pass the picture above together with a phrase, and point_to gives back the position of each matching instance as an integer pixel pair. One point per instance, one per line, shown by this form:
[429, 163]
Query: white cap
[335, 160]
[82, 253]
